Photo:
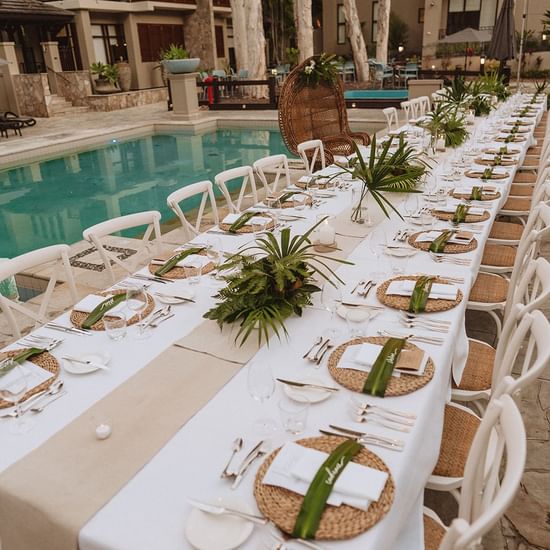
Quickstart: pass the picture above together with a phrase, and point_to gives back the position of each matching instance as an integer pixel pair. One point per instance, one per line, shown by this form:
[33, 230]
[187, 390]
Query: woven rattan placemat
[44, 360]
[282, 506]
[492, 162]
[179, 272]
[470, 218]
[355, 379]
[517, 139]
[450, 248]
[78, 317]
[484, 197]
[249, 228]
[316, 184]
[479, 175]
[402, 302]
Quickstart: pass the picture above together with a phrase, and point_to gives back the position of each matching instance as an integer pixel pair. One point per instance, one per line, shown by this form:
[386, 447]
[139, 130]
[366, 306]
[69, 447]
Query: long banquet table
[151, 509]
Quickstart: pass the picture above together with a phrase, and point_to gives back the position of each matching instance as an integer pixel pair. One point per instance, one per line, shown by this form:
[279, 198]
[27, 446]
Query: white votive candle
[326, 234]
[103, 431]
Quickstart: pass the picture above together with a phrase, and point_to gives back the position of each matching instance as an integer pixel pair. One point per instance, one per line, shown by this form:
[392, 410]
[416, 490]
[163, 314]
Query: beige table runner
[49, 495]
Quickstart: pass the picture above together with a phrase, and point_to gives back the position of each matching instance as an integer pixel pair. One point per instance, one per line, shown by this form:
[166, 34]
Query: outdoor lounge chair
[11, 125]
[319, 112]
[8, 116]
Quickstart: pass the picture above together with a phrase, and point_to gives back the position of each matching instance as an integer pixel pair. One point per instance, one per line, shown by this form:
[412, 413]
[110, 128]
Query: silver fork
[413, 337]
[421, 324]
[393, 412]
[367, 287]
[382, 421]
[414, 317]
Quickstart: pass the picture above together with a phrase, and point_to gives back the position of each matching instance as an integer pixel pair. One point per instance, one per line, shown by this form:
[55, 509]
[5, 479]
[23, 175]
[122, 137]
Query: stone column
[7, 52]
[199, 33]
[185, 99]
[132, 47]
[85, 40]
[52, 60]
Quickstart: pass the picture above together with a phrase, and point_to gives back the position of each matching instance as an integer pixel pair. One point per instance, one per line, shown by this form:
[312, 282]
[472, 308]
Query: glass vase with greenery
[445, 121]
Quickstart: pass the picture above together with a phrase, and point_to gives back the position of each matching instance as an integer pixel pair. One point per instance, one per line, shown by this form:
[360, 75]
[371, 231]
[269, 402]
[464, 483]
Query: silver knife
[245, 464]
[307, 385]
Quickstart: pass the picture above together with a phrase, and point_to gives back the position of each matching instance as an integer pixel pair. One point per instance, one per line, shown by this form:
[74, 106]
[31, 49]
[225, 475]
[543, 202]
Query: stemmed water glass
[261, 386]
[331, 298]
[136, 301]
[377, 245]
[13, 385]
[214, 252]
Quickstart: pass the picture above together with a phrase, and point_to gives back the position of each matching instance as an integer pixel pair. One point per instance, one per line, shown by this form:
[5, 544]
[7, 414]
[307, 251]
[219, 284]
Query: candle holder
[324, 237]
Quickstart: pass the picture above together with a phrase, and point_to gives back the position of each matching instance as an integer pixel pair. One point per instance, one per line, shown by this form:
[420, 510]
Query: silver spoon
[237, 446]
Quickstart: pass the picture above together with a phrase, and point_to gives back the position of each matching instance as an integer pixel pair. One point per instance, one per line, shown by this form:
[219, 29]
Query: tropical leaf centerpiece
[321, 69]
[385, 172]
[270, 281]
[445, 121]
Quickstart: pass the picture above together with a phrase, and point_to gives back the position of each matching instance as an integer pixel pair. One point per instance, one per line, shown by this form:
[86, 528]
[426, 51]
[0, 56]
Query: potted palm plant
[107, 78]
[175, 59]
[384, 172]
[272, 280]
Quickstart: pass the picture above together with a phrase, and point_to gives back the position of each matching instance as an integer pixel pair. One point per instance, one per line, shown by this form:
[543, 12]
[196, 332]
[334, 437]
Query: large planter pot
[103, 86]
[179, 66]
[124, 76]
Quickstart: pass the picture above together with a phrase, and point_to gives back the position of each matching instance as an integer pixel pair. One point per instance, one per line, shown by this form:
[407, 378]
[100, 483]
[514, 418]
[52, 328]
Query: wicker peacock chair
[318, 112]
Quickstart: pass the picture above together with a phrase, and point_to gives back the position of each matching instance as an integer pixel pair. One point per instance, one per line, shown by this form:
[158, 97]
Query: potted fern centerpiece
[273, 280]
[445, 122]
[384, 172]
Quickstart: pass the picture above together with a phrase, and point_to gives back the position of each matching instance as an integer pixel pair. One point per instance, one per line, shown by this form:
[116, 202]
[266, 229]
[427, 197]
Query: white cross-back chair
[310, 152]
[97, 233]
[411, 110]
[206, 191]
[499, 445]
[392, 121]
[424, 104]
[59, 254]
[246, 174]
[530, 334]
[277, 164]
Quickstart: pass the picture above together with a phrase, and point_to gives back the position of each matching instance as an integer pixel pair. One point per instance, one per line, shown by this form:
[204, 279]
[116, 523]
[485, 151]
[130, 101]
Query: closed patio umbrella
[503, 43]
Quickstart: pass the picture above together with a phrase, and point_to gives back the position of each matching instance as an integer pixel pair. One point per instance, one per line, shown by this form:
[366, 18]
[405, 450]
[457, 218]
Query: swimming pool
[53, 201]
[377, 94]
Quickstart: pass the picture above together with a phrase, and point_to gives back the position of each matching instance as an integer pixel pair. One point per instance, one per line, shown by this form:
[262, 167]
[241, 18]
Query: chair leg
[456, 495]
[498, 322]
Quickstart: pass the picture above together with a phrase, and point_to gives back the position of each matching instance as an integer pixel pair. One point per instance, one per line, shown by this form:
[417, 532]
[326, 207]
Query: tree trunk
[304, 28]
[240, 33]
[357, 41]
[383, 32]
[256, 46]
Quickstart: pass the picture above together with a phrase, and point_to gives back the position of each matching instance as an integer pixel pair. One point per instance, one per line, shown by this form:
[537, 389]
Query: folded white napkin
[256, 220]
[193, 260]
[34, 374]
[88, 304]
[295, 466]
[362, 357]
[305, 179]
[452, 209]
[299, 198]
[468, 189]
[439, 291]
[430, 236]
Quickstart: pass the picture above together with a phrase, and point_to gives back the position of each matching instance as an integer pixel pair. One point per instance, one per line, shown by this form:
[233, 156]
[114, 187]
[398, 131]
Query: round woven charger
[248, 228]
[492, 163]
[78, 317]
[402, 302]
[517, 139]
[292, 204]
[492, 151]
[282, 506]
[315, 185]
[179, 272]
[519, 123]
[450, 248]
[484, 197]
[472, 174]
[470, 218]
[355, 379]
[44, 360]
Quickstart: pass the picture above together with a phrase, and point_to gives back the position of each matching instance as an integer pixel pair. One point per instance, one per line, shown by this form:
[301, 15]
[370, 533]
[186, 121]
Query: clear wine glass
[13, 386]
[377, 246]
[411, 204]
[214, 252]
[261, 386]
[136, 301]
[331, 298]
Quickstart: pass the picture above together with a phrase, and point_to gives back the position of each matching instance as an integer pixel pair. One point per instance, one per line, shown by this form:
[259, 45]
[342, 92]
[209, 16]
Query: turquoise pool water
[377, 94]
[53, 201]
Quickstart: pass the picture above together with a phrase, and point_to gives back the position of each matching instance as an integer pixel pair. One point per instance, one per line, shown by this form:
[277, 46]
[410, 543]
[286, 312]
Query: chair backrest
[307, 112]
[247, 175]
[59, 255]
[407, 107]
[499, 443]
[311, 152]
[97, 232]
[206, 191]
[273, 163]
[424, 104]
[220, 73]
[529, 335]
[392, 120]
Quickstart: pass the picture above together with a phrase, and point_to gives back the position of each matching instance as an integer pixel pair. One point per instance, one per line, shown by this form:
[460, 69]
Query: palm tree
[304, 28]
[357, 40]
[383, 30]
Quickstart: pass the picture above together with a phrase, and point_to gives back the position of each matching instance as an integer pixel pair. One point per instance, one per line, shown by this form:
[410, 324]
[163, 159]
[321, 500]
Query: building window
[470, 13]
[67, 42]
[374, 26]
[421, 15]
[154, 38]
[220, 43]
[340, 24]
[109, 43]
